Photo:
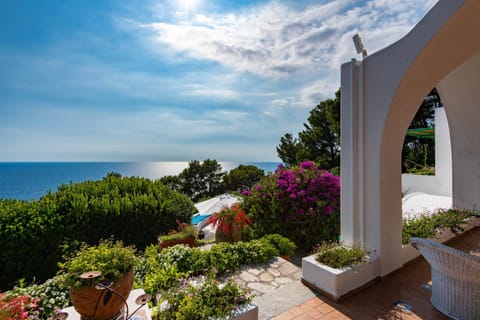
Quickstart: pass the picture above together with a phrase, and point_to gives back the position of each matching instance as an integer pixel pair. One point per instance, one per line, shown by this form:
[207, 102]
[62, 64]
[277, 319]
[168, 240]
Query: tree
[288, 149]
[419, 152]
[321, 136]
[319, 141]
[202, 179]
[243, 177]
[173, 182]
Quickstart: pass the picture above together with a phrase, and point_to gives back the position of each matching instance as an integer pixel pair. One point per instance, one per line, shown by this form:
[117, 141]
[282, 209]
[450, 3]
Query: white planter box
[338, 283]
[409, 253]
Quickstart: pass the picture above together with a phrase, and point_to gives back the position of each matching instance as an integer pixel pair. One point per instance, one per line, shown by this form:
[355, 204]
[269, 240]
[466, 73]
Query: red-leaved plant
[230, 217]
[20, 308]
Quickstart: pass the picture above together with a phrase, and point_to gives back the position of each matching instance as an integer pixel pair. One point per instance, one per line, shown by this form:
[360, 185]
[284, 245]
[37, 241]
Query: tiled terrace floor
[408, 285]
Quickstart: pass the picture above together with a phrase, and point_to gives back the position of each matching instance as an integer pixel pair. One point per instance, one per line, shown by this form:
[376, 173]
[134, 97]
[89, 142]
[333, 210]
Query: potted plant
[100, 278]
[230, 222]
[338, 271]
[186, 234]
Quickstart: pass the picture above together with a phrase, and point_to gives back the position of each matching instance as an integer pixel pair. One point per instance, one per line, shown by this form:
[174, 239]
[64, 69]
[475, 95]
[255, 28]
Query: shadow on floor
[408, 288]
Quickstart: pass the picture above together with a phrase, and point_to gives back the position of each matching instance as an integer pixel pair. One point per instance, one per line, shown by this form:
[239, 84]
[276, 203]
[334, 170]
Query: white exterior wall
[441, 182]
[460, 92]
[380, 96]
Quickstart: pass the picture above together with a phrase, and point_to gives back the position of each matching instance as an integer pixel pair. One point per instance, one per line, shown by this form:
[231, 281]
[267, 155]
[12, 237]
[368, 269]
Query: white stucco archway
[380, 96]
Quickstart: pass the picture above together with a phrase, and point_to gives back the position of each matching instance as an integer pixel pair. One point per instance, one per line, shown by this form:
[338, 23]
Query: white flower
[164, 305]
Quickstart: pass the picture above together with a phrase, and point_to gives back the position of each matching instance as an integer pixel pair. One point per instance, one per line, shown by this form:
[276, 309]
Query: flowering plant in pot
[230, 222]
[186, 234]
[100, 278]
[337, 270]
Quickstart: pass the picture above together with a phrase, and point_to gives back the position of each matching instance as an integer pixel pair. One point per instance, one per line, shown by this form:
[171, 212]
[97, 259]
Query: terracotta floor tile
[295, 311]
[303, 317]
[408, 285]
[284, 316]
[324, 308]
[335, 315]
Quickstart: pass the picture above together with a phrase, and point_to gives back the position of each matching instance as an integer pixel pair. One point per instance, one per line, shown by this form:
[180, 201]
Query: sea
[31, 180]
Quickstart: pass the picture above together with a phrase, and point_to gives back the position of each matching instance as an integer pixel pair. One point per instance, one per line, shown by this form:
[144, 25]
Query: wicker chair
[455, 279]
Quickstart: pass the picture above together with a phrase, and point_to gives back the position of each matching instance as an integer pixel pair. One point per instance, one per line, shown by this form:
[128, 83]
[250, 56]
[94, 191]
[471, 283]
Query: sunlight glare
[188, 5]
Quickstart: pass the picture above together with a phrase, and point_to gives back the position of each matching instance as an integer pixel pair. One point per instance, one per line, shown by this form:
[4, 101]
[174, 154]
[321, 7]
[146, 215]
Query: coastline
[31, 180]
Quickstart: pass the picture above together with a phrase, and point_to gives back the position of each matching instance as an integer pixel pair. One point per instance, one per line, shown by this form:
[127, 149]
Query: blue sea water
[31, 180]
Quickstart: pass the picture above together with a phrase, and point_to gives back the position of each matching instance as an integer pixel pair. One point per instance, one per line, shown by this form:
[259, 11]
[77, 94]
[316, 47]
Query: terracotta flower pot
[85, 299]
[190, 241]
[233, 236]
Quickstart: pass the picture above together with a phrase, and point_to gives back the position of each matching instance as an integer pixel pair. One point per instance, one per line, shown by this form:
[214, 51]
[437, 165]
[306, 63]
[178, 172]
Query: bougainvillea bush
[301, 203]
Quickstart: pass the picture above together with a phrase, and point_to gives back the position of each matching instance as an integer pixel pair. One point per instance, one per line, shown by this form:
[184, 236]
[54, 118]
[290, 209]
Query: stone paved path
[276, 286]
[268, 277]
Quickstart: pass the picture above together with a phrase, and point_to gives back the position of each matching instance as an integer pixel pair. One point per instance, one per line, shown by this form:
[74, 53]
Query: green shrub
[285, 246]
[255, 251]
[222, 257]
[187, 231]
[201, 298]
[428, 225]
[112, 259]
[134, 210]
[338, 256]
[179, 256]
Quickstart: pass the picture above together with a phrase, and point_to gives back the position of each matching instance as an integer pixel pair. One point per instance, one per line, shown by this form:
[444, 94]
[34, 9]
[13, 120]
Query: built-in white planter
[338, 283]
[409, 253]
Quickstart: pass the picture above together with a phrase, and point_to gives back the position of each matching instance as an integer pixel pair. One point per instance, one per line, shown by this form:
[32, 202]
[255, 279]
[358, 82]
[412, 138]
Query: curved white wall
[380, 96]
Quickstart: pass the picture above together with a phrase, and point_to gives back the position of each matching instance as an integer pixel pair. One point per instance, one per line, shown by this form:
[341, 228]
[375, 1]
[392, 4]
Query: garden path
[276, 286]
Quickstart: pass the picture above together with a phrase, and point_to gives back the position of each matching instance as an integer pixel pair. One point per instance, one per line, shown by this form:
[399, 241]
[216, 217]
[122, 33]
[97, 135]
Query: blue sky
[116, 80]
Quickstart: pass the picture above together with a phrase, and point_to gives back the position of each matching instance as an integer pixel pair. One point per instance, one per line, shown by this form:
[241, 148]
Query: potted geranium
[100, 279]
[230, 222]
[186, 234]
[337, 271]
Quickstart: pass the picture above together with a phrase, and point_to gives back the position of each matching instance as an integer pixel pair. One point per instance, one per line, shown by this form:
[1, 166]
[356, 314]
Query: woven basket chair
[455, 279]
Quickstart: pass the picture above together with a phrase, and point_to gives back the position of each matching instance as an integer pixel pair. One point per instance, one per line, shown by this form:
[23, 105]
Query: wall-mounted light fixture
[357, 41]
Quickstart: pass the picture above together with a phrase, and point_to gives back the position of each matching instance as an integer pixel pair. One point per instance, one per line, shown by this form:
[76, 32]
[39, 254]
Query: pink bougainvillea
[302, 203]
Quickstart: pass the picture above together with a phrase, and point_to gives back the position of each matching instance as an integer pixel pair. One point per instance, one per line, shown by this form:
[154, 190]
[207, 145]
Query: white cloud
[275, 40]
[215, 93]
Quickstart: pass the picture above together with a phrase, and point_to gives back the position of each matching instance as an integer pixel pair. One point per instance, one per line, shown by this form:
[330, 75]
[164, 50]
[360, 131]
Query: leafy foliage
[183, 261]
[188, 231]
[50, 295]
[112, 259]
[284, 246]
[419, 153]
[301, 203]
[199, 180]
[319, 141]
[242, 177]
[338, 256]
[321, 136]
[428, 225]
[200, 298]
[290, 150]
[134, 210]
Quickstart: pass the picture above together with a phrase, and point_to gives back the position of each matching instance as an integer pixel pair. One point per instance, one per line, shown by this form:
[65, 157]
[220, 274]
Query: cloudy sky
[128, 80]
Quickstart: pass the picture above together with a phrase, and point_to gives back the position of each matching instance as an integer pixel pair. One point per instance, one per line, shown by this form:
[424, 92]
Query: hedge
[35, 234]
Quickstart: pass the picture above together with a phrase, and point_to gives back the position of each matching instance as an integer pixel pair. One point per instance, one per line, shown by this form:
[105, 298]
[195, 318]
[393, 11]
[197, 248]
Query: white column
[351, 159]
